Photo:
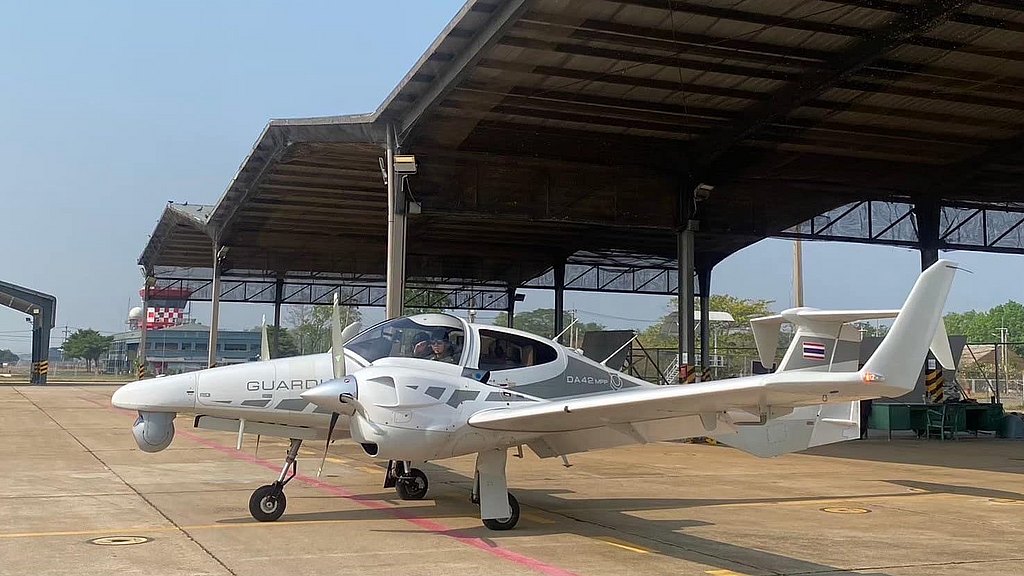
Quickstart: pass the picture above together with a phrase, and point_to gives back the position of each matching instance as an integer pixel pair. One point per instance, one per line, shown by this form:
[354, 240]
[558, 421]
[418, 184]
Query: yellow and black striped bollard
[935, 384]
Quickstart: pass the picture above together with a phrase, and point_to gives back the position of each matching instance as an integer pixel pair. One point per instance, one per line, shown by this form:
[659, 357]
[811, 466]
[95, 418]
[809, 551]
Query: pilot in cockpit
[440, 349]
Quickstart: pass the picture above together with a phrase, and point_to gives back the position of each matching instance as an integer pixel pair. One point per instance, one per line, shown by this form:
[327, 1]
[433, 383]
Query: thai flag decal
[814, 350]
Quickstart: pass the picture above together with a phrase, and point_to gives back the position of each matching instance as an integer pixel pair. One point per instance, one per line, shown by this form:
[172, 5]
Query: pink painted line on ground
[399, 513]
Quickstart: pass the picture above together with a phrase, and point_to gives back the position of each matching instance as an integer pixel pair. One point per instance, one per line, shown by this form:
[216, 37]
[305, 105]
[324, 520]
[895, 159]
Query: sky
[110, 109]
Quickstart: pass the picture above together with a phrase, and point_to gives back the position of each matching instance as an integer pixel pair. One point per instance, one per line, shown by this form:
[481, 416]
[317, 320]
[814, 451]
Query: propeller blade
[337, 341]
[327, 445]
[265, 342]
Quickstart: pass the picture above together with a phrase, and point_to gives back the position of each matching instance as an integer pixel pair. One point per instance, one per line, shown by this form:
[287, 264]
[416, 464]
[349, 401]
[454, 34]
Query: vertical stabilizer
[897, 361]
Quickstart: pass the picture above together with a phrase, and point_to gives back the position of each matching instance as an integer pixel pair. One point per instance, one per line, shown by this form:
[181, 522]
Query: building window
[236, 347]
[200, 346]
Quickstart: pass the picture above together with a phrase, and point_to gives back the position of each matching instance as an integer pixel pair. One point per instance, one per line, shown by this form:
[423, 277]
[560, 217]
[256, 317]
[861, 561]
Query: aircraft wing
[656, 403]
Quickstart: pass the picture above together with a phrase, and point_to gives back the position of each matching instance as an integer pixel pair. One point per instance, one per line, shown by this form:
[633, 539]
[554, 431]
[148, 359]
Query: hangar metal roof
[548, 128]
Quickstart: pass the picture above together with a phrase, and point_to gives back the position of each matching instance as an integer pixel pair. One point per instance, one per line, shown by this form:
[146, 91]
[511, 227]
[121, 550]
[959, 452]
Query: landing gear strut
[499, 509]
[268, 502]
[410, 483]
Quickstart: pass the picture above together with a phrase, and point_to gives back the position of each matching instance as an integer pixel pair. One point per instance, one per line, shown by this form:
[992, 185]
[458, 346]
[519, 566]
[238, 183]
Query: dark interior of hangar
[548, 127]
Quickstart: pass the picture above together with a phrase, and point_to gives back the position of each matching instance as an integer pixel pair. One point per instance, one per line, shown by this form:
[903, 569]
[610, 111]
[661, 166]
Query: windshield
[428, 336]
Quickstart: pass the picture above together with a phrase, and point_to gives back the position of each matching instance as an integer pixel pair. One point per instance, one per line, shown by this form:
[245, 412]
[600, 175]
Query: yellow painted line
[537, 518]
[369, 469]
[722, 573]
[146, 530]
[623, 544]
[82, 532]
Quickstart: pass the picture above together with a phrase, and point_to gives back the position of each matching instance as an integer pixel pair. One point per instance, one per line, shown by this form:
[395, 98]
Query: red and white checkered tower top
[166, 308]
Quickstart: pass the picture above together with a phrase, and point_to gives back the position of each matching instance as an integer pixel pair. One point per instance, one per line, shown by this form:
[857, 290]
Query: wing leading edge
[753, 394]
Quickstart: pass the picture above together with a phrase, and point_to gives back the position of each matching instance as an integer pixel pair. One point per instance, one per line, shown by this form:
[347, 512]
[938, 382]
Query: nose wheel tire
[505, 523]
[412, 486]
[267, 503]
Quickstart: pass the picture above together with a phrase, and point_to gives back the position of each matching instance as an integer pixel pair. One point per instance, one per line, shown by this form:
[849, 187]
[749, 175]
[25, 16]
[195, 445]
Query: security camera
[702, 192]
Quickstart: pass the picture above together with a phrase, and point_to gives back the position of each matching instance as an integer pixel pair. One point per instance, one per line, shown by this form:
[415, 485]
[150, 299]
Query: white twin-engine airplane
[432, 386]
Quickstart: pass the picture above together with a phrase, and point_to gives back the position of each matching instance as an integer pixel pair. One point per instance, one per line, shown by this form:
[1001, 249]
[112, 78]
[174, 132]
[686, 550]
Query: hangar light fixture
[702, 192]
[405, 164]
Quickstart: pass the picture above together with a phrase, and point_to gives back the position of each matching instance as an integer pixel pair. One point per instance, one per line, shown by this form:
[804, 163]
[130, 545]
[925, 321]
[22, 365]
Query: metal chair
[943, 419]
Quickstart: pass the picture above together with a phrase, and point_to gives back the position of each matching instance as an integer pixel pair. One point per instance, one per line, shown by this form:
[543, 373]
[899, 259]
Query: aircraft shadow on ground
[998, 455]
[972, 491]
[587, 517]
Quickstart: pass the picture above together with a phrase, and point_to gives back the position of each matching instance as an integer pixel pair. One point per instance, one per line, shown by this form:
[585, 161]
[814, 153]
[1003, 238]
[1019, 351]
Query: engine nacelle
[154, 431]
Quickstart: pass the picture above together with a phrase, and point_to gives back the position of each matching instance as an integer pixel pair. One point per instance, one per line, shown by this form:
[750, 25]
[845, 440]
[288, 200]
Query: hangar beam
[42, 309]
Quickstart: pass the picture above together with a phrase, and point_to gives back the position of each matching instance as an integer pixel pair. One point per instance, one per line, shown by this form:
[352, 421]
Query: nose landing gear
[268, 502]
[410, 483]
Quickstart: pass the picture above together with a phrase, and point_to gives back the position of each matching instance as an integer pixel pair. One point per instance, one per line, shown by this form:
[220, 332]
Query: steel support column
[704, 287]
[559, 271]
[140, 356]
[685, 257]
[215, 307]
[511, 310]
[396, 232]
[927, 214]
[278, 297]
[40, 350]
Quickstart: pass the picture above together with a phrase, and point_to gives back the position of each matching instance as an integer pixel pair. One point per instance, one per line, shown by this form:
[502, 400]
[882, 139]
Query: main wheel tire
[413, 486]
[265, 505]
[505, 523]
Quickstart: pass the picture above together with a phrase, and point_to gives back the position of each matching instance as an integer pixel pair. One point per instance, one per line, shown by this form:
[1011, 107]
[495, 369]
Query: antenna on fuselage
[566, 329]
[619, 349]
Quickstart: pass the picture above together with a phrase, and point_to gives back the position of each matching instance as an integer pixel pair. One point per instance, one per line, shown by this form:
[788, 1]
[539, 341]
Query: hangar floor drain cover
[119, 540]
[845, 510]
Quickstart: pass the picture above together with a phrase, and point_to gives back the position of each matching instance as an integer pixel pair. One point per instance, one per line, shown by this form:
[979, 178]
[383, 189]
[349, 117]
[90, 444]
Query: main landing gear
[499, 509]
[410, 483]
[268, 502]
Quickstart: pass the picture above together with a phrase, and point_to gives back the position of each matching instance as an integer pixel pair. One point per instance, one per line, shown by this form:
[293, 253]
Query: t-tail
[825, 342]
[828, 341]
[896, 364]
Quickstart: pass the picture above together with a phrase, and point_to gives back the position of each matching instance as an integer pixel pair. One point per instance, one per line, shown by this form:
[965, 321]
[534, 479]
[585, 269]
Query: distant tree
[983, 327]
[542, 322]
[311, 326]
[8, 357]
[665, 332]
[286, 345]
[88, 345]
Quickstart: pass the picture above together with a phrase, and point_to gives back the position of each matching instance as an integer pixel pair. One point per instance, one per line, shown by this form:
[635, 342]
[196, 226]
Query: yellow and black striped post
[935, 384]
[35, 372]
[44, 369]
[141, 372]
[687, 374]
[705, 374]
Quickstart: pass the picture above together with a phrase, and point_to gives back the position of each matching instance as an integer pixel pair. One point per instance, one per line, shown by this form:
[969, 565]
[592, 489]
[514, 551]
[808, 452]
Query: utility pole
[798, 274]
[1003, 338]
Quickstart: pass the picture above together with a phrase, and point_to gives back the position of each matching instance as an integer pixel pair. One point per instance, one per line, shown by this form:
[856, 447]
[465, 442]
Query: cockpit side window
[503, 351]
[405, 338]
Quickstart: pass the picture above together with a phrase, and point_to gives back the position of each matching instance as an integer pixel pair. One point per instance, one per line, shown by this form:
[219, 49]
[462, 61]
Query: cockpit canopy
[437, 337]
